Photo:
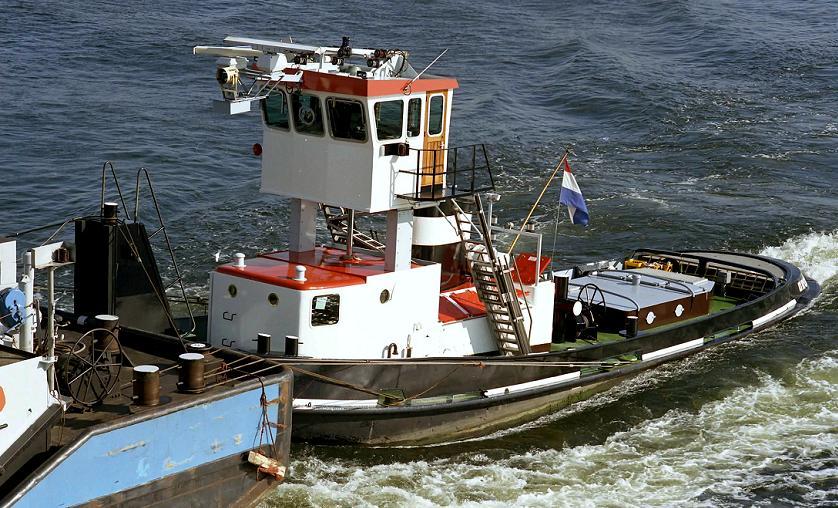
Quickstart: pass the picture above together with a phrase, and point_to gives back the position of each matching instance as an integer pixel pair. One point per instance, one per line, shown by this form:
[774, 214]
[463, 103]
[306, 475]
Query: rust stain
[2, 398]
[126, 448]
[170, 464]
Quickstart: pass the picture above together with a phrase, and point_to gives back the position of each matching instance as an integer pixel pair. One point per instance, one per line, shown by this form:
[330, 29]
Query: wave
[775, 441]
[816, 253]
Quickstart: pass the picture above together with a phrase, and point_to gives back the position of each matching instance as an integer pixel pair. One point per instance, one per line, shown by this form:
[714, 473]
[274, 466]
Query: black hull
[452, 419]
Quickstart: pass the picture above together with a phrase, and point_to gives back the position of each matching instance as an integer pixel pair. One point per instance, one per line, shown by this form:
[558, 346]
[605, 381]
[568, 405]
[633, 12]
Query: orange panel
[282, 273]
[525, 262]
[470, 302]
[324, 268]
[329, 258]
[448, 312]
[350, 85]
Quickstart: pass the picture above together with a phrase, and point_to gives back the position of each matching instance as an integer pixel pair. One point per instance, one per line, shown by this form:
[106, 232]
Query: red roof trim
[351, 85]
[325, 269]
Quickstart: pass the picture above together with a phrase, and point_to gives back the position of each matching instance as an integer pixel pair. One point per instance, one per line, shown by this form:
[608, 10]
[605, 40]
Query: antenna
[407, 85]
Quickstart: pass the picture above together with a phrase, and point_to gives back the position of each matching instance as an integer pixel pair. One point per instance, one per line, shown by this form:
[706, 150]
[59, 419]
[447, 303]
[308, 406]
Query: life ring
[306, 115]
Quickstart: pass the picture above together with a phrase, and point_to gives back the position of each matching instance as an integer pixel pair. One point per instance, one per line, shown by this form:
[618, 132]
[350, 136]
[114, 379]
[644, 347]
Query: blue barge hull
[187, 454]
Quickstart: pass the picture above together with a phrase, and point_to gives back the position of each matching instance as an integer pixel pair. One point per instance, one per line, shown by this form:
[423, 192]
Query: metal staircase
[493, 281]
[338, 222]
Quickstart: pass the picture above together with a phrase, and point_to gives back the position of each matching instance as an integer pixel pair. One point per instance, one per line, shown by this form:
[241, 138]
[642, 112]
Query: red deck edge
[351, 85]
[324, 269]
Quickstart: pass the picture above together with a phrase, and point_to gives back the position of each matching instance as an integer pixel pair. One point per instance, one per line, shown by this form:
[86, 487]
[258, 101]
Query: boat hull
[332, 406]
[171, 454]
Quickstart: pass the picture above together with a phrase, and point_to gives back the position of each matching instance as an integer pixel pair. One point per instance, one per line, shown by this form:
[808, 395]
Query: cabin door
[434, 157]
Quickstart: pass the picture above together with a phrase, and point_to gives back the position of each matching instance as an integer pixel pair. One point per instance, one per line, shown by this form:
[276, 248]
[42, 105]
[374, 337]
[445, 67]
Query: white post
[27, 284]
[50, 334]
[350, 236]
[491, 198]
[397, 255]
[303, 230]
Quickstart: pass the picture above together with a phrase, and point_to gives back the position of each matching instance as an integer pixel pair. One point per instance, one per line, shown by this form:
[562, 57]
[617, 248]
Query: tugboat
[432, 331]
[95, 411]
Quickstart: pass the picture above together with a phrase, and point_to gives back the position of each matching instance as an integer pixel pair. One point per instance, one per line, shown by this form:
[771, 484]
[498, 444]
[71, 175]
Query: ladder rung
[503, 322]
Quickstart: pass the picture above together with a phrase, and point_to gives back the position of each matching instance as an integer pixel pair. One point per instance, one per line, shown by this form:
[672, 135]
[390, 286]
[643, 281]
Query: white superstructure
[361, 131]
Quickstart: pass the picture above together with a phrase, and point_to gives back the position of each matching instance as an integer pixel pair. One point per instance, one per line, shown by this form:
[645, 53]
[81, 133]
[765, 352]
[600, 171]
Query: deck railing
[443, 173]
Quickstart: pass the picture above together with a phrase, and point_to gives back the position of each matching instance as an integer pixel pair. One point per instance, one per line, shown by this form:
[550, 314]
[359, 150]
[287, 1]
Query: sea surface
[692, 124]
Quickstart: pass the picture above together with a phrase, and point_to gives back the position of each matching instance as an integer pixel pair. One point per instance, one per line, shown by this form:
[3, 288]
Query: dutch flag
[572, 197]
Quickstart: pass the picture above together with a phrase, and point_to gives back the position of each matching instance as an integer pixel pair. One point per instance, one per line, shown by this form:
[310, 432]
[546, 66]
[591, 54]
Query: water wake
[776, 441]
[815, 253]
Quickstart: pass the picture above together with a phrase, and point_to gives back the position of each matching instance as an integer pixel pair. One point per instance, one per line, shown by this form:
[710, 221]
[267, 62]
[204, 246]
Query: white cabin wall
[365, 327]
[235, 321]
[316, 168]
[8, 263]
[457, 338]
[541, 300]
[27, 397]
[344, 173]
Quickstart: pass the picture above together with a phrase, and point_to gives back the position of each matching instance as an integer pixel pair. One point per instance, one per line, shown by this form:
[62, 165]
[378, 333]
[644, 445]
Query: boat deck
[220, 372]
[10, 356]
[717, 304]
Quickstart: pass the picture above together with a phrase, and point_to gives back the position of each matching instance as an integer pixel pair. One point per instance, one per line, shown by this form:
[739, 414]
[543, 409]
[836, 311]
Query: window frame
[265, 111]
[420, 122]
[363, 115]
[294, 115]
[312, 310]
[403, 120]
[442, 117]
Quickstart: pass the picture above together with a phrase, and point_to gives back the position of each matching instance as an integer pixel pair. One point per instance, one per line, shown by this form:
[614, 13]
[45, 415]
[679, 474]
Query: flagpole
[532, 210]
[556, 232]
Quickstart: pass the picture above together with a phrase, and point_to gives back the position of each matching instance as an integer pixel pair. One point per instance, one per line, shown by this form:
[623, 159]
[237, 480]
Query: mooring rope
[338, 382]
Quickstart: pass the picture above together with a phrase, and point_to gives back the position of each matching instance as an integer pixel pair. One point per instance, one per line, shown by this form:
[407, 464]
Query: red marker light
[257, 149]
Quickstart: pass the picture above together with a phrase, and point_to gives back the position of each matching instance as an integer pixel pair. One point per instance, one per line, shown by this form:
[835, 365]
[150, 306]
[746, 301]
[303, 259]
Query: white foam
[815, 253]
[777, 435]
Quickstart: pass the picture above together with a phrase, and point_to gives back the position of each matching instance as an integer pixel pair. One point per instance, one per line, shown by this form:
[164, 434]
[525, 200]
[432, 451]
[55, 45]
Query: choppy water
[705, 125]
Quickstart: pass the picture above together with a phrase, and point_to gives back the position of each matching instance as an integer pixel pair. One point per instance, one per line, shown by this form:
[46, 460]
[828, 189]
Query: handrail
[443, 171]
[696, 256]
[118, 189]
[162, 229]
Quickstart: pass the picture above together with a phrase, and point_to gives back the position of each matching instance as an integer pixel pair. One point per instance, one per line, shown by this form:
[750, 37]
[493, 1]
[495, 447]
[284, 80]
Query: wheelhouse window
[389, 119]
[346, 119]
[414, 117]
[436, 111]
[275, 110]
[325, 310]
[308, 117]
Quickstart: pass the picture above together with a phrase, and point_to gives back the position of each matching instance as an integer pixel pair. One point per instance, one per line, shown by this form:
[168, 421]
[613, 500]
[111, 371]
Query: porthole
[232, 290]
[385, 296]
[273, 299]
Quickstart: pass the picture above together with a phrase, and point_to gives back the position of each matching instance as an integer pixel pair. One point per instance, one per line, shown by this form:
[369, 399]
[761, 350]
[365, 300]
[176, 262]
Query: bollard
[147, 385]
[263, 343]
[191, 373]
[197, 347]
[292, 345]
[631, 326]
[104, 340]
[109, 213]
